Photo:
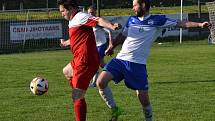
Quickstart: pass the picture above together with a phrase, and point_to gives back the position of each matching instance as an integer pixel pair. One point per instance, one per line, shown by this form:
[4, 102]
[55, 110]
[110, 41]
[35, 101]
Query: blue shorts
[134, 74]
[101, 50]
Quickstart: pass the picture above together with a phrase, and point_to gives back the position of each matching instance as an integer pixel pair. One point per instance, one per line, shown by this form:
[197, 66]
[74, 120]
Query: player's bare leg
[68, 71]
[80, 106]
[78, 99]
[144, 100]
[106, 93]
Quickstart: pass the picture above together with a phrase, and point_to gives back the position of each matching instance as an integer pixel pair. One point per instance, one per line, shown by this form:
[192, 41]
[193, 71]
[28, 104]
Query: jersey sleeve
[83, 19]
[106, 30]
[168, 22]
[91, 21]
[161, 21]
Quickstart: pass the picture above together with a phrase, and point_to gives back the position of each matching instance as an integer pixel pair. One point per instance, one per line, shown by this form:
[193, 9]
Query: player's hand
[109, 51]
[63, 43]
[117, 26]
[206, 25]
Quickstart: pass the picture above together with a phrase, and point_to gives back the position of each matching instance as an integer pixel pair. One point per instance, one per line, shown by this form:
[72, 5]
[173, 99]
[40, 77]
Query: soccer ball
[39, 86]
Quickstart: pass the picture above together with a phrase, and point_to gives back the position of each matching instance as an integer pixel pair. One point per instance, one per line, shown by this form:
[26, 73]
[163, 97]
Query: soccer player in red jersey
[82, 43]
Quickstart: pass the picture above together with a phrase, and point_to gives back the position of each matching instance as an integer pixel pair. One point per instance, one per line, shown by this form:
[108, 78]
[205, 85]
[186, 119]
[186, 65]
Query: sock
[107, 96]
[80, 109]
[95, 77]
[148, 113]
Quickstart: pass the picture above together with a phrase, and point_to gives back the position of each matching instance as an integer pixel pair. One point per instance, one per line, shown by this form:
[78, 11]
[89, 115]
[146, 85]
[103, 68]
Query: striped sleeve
[92, 21]
[170, 23]
[81, 19]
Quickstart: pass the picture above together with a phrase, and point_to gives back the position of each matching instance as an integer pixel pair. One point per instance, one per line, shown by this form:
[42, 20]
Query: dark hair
[147, 3]
[91, 7]
[68, 4]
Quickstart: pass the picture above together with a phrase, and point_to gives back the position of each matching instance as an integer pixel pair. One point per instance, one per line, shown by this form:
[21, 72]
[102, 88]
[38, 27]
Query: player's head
[141, 7]
[68, 8]
[91, 10]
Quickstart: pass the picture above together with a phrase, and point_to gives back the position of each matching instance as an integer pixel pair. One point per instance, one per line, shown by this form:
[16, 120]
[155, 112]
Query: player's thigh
[67, 70]
[136, 77]
[113, 70]
[78, 93]
[82, 74]
[103, 79]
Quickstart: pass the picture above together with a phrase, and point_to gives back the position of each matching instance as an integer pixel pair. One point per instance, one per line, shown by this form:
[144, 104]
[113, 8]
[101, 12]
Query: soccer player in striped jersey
[130, 63]
[82, 43]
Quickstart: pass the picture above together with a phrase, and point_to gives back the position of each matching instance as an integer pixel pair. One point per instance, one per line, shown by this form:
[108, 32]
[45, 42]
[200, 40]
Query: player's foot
[116, 112]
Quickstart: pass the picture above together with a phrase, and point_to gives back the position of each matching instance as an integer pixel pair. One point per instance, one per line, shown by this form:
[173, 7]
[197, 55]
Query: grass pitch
[181, 86]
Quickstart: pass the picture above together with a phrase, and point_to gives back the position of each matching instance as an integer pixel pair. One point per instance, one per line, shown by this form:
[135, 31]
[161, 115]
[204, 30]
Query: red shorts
[83, 73]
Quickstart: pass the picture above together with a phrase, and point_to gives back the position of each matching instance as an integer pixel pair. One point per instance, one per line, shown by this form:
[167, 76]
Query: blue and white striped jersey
[140, 35]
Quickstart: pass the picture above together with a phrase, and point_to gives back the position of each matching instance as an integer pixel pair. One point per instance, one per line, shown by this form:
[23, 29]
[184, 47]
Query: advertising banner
[20, 31]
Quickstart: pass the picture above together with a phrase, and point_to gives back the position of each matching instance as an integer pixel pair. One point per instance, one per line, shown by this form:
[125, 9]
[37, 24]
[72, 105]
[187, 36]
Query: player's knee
[78, 94]
[98, 84]
[66, 73]
[101, 82]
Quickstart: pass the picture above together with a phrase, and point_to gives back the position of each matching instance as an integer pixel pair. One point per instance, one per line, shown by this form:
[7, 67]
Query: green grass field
[181, 80]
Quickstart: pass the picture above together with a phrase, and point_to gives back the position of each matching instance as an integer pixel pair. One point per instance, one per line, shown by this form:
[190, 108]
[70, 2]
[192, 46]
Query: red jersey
[82, 39]
[83, 46]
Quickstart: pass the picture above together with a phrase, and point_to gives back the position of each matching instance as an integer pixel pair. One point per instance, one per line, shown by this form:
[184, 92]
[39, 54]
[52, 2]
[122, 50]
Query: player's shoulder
[154, 17]
[157, 20]
[150, 20]
[81, 15]
[157, 16]
[132, 20]
[80, 18]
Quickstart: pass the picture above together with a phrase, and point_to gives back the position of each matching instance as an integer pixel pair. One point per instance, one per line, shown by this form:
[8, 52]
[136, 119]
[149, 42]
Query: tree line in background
[34, 4]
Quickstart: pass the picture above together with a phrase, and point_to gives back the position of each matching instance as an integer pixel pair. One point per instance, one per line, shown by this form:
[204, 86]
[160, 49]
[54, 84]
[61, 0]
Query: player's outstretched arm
[189, 24]
[119, 40]
[110, 42]
[109, 50]
[64, 43]
[107, 24]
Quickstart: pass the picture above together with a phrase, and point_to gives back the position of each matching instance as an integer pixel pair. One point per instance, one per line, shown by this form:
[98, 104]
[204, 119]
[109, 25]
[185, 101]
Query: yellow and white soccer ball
[39, 86]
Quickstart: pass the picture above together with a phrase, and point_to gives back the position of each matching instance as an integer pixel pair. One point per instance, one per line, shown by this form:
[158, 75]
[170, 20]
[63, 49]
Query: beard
[66, 18]
[68, 15]
[140, 12]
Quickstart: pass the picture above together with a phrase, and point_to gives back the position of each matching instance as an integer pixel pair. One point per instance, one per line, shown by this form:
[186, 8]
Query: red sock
[80, 109]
